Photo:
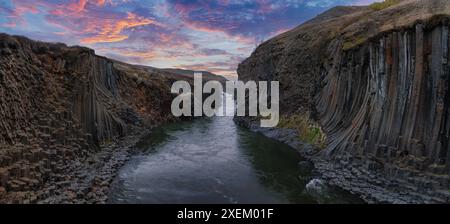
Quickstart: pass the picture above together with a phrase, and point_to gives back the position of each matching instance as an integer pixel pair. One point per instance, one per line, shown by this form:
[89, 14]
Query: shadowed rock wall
[389, 98]
[59, 103]
[376, 80]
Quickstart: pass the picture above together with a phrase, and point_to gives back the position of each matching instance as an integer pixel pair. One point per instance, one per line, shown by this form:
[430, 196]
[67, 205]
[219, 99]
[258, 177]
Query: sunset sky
[189, 34]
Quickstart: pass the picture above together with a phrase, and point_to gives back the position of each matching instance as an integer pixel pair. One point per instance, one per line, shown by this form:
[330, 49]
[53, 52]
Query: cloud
[195, 34]
[15, 14]
[129, 54]
[210, 51]
[111, 30]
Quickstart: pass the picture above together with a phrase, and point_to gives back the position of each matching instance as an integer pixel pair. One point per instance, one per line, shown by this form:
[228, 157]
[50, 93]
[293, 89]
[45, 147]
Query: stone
[318, 189]
[306, 165]
[2, 191]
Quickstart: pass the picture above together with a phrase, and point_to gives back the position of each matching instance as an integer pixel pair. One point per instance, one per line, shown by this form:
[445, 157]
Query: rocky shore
[89, 181]
[357, 177]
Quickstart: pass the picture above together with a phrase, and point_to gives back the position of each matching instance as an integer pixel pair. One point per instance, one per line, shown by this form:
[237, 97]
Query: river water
[212, 160]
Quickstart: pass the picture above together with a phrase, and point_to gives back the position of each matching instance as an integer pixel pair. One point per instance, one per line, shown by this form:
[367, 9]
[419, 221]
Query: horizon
[192, 35]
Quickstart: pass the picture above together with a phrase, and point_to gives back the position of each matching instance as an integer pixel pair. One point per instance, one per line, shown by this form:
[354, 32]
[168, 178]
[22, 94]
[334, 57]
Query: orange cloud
[112, 32]
[100, 2]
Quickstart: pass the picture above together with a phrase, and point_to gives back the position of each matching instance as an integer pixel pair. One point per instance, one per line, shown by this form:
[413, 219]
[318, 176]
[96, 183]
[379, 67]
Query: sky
[188, 34]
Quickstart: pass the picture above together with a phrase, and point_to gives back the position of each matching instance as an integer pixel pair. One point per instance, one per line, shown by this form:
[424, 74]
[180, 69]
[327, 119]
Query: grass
[308, 130]
[107, 142]
[350, 44]
[358, 40]
[377, 6]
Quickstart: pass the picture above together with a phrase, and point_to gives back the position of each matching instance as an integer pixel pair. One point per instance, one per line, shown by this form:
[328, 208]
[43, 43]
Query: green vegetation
[107, 142]
[355, 40]
[352, 43]
[382, 5]
[308, 130]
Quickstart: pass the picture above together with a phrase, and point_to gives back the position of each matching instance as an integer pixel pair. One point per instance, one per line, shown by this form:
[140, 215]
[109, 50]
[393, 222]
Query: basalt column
[388, 99]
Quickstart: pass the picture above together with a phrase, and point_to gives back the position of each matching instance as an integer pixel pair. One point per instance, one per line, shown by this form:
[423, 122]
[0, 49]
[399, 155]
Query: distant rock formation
[377, 82]
[207, 76]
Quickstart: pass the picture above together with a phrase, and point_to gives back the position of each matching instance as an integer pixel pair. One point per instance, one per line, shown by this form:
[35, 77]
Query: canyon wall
[58, 104]
[377, 82]
[389, 98]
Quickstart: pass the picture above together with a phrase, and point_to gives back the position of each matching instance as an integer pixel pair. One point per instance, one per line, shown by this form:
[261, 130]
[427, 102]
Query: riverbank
[87, 181]
[357, 176]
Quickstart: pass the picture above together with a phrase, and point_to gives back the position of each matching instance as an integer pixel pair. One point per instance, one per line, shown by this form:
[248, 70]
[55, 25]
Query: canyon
[364, 97]
[376, 84]
[68, 118]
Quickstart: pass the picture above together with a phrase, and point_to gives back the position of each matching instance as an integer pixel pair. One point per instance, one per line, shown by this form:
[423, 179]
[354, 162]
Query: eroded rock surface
[59, 105]
[378, 83]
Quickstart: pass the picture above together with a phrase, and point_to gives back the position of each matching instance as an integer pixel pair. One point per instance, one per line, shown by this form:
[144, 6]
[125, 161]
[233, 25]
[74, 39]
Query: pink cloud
[81, 18]
[16, 16]
[111, 31]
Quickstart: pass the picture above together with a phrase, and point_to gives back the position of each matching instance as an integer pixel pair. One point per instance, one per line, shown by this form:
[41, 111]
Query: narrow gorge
[62, 105]
[364, 106]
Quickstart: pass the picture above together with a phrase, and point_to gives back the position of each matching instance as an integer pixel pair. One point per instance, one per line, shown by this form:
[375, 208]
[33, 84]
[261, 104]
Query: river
[212, 160]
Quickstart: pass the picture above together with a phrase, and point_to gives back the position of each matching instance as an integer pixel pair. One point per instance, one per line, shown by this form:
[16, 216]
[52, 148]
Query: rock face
[207, 76]
[376, 80]
[317, 188]
[389, 98]
[58, 103]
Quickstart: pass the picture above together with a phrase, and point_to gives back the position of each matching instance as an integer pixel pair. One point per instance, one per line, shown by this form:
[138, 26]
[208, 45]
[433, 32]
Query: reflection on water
[211, 160]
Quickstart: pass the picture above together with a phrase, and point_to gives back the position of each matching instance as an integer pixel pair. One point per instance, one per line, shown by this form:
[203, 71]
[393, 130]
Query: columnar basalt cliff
[59, 104]
[389, 98]
[377, 82]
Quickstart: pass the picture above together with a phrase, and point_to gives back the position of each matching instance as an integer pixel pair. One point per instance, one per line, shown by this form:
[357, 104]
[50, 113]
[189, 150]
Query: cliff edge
[375, 80]
[59, 105]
